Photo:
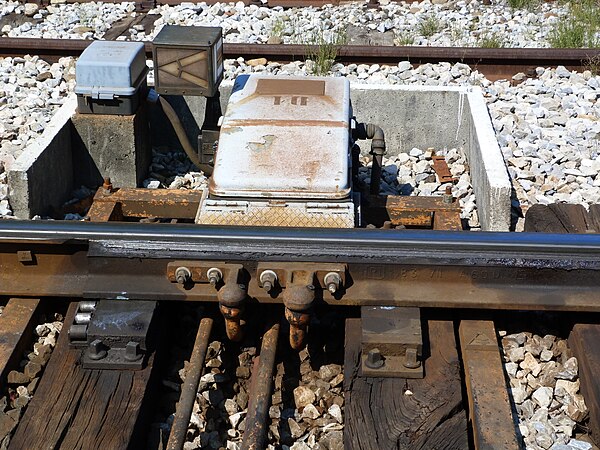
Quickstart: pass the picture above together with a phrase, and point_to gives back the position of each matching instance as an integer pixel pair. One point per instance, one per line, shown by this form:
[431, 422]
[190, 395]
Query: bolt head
[132, 351]
[96, 350]
[374, 359]
[267, 286]
[183, 275]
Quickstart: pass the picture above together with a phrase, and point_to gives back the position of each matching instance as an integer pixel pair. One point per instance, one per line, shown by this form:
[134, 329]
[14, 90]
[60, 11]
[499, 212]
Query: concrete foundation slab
[111, 146]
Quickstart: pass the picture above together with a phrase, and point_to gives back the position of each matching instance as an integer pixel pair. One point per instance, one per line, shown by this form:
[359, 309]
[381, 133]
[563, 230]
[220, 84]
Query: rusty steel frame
[490, 411]
[420, 268]
[122, 203]
[435, 212]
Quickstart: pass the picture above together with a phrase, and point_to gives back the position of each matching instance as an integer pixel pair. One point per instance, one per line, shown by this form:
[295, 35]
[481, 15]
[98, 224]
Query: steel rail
[500, 60]
[383, 267]
[308, 244]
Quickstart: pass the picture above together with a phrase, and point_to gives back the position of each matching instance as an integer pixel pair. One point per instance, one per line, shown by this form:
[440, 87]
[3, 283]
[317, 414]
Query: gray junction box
[111, 78]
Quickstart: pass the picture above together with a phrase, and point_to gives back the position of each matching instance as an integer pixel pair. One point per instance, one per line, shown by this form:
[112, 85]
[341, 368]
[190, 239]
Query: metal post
[260, 392]
[189, 387]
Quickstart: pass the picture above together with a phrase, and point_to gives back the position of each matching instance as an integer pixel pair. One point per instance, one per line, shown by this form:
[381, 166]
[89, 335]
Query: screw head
[374, 359]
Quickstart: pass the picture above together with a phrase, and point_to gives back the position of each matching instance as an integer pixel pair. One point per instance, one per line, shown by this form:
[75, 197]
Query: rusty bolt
[233, 326]
[183, 275]
[374, 359]
[107, 186]
[268, 278]
[96, 350]
[298, 324]
[333, 281]
[214, 276]
[448, 195]
[410, 359]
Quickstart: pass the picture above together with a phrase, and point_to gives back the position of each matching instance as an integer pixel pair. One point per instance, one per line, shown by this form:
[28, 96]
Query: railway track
[462, 348]
[494, 63]
[396, 328]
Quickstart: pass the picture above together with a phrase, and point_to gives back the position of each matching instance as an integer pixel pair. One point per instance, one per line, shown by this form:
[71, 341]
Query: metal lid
[285, 137]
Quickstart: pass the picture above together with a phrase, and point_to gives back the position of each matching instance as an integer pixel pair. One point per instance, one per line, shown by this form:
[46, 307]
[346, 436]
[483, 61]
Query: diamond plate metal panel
[276, 214]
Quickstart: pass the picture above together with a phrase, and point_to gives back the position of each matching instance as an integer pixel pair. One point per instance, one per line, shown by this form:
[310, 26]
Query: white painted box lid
[285, 137]
[108, 69]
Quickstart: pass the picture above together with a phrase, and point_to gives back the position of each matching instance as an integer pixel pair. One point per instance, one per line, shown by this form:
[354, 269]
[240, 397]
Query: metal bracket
[212, 272]
[206, 144]
[325, 276]
[113, 334]
[392, 342]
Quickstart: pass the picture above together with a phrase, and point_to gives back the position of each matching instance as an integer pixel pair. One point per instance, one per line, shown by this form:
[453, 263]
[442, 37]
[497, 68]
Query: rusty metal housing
[283, 157]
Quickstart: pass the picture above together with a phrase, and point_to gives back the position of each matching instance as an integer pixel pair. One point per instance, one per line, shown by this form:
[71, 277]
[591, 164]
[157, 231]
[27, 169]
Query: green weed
[492, 40]
[403, 38]
[429, 26]
[322, 50]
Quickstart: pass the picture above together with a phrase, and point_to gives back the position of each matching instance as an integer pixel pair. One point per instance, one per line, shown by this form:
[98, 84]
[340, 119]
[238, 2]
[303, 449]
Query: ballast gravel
[430, 23]
[544, 386]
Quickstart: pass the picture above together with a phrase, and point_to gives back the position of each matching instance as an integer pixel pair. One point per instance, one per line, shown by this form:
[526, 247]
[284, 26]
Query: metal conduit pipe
[375, 133]
[183, 139]
[189, 388]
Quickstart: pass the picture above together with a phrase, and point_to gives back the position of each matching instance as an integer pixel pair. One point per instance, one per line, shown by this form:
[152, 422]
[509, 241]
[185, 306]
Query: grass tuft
[580, 28]
[322, 50]
[524, 4]
[593, 64]
[429, 26]
[492, 40]
[404, 38]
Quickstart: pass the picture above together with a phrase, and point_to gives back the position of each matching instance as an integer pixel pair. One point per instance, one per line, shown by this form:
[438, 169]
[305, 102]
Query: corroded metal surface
[285, 138]
[261, 386]
[437, 212]
[189, 387]
[442, 170]
[299, 321]
[233, 326]
[116, 204]
[490, 410]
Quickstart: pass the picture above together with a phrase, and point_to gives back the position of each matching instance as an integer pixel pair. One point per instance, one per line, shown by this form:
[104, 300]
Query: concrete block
[411, 116]
[42, 177]
[117, 147]
[489, 176]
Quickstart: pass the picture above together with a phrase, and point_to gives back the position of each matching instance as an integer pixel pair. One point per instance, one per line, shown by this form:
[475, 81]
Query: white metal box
[285, 138]
[111, 77]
